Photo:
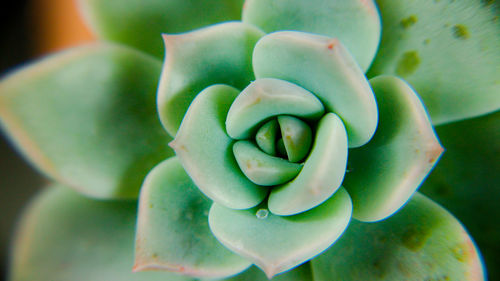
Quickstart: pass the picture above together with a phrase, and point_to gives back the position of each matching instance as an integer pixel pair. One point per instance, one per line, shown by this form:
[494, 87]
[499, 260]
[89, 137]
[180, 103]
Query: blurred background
[30, 29]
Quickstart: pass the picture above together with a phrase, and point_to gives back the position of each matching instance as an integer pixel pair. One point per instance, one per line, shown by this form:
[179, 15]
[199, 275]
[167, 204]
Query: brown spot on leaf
[408, 63]
[414, 239]
[460, 31]
[409, 21]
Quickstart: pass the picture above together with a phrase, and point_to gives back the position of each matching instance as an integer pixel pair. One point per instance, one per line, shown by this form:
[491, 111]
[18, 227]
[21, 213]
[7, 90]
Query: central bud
[281, 144]
[284, 139]
[269, 121]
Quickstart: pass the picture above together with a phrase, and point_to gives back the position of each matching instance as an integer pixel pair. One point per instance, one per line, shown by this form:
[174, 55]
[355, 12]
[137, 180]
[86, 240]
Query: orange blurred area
[56, 25]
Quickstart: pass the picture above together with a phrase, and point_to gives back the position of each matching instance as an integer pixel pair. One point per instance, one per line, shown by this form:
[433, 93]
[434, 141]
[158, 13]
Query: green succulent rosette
[283, 154]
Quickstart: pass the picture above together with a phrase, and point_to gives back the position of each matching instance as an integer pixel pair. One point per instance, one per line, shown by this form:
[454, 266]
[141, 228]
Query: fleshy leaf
[172, 228]
[139, 23]
[277, 243]
[321, 175]
[356, 23]
[300, 273]
[466, 181]
[65, 236]
[421, 242]
[219, 54]
[384, 173]
[261, 168]
[448, 51]
[323, 66]
[297, 137]
[268, 97]
[266, 137]
[87, 118]
[206, 152]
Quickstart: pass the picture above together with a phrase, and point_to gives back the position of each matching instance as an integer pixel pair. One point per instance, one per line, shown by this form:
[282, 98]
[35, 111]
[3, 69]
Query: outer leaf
[421, 242]
[205, 151]
[195, 60]
[65, 236]
[277, 243]
[467, 179]
[139, 23]
[323, 66]
[87, 118]
[356, 23]
[300, 273]
[321, 175]
[386, 172]
[172, 228]
[448, 50]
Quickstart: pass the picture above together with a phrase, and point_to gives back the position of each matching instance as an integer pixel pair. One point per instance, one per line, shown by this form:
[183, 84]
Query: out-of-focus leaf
[139, 23]
[467, 181]
[87, 118]
[448, 50]
[421, 242]
[65, 236]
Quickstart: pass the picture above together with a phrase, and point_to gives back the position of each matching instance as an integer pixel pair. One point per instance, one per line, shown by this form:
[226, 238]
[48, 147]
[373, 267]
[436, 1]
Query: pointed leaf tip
[87, 118]
[386, 172]
[172, 228]
[276, 243]
[217, 54]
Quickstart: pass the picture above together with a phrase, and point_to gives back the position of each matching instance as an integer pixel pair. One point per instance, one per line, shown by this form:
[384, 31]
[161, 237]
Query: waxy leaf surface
[265, 98]
[172, 228]
[321, 175]
[323, 66]
[205, 151]
[384, 173]
[278, 243]
[356, 23]
[218, 54]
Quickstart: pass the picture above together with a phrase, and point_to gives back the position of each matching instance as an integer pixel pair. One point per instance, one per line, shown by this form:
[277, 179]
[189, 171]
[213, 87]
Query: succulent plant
[285, 155]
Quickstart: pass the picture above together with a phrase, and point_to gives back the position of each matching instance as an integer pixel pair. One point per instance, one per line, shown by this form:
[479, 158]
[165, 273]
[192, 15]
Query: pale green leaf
[356, 23]
[324, 67]
[421, 242]
[205, 151]
[64, 236]
[300, 273]
[140, 23]
[266, 137]
[195, 60]
[449, 51]
[321, 175]
[262, 168]
[172, 228]
[297, 137]
[265, 98]
[384, 173]
[466, 181]
[276, 243]
[87, 118]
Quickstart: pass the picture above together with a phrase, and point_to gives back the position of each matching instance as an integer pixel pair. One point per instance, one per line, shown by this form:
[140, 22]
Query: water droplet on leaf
[262, 214]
